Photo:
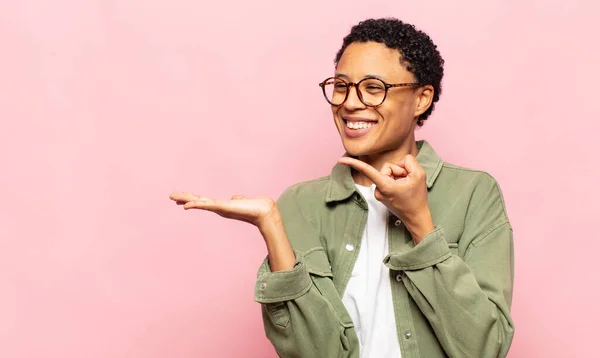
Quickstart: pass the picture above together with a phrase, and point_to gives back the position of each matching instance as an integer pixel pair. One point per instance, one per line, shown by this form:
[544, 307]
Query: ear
[424, 99]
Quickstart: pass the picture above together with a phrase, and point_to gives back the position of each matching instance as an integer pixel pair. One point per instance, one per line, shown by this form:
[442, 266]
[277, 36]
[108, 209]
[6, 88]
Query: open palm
[250, 210]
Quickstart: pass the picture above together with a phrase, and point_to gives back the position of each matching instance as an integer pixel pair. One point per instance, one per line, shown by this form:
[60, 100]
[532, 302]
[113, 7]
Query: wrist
[271, 222]
[420, 225]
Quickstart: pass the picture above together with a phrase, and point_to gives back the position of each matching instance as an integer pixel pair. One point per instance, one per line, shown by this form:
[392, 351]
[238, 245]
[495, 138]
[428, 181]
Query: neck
[379, 159]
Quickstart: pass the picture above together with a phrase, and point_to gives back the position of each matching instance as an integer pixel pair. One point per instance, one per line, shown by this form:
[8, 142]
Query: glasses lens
[335, 91]
[372, 91]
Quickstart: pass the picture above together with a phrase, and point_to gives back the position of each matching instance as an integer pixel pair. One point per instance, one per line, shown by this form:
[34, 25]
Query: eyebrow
[367, 76]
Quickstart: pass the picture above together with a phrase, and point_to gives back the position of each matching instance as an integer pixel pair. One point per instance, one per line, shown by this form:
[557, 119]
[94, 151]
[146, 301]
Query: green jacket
[451, 293]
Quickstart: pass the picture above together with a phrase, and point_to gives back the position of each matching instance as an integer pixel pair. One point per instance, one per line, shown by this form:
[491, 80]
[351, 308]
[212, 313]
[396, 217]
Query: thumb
[237, 197]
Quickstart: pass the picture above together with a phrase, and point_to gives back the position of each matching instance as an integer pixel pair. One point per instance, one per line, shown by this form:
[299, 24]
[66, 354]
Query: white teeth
[359, 125]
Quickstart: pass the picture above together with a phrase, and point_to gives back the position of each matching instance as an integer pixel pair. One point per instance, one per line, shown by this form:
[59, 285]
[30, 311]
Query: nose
[353, 101]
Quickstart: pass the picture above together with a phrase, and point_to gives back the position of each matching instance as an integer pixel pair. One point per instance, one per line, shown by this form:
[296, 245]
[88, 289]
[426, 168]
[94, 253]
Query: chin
[357, 149]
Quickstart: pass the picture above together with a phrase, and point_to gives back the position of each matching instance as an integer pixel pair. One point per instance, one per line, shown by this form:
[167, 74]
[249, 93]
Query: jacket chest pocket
[322, 277]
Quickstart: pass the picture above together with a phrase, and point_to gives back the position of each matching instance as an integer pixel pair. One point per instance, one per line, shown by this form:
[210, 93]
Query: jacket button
[407, 335]
[399, 277]
[398, 223]
[263, 285]
[350, 247]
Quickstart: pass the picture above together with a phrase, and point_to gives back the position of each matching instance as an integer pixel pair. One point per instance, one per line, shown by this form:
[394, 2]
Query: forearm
[279, 249]
[419, 224]
[419, 228]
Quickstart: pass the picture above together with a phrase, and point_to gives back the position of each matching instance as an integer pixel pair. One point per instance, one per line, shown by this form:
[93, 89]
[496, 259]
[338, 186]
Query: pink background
[108, 106]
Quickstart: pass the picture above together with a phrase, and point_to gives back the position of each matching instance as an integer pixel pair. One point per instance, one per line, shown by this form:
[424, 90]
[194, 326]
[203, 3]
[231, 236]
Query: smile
[358, 127]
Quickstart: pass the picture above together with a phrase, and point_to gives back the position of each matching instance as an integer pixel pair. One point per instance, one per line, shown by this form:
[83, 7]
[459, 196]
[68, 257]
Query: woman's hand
[402, 188]
[255, 211]
[261, 212]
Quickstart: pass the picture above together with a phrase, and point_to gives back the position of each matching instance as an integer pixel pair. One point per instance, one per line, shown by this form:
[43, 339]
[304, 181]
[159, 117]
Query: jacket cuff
[282, 285]
[432, 250]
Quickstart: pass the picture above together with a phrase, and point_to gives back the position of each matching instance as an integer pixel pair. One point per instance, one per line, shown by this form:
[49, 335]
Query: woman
[396, 253]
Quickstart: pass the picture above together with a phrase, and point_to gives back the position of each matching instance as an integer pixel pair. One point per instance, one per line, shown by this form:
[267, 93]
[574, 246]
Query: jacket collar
[341, 185]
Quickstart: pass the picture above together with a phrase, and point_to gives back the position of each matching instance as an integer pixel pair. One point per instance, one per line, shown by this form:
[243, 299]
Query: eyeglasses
[371, 91]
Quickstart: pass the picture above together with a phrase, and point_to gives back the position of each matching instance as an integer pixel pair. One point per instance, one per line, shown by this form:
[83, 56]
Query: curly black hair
[418, 53]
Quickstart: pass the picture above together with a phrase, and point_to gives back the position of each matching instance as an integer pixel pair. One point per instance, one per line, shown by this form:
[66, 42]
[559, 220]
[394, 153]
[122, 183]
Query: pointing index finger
[370, 172]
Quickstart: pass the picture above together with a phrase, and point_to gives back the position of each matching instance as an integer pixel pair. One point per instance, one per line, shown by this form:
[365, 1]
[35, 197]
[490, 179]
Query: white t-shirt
[368, 296]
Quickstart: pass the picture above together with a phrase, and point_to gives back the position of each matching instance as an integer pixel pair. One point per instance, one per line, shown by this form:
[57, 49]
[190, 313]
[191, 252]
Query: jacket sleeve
[303, 314]
[466, 298]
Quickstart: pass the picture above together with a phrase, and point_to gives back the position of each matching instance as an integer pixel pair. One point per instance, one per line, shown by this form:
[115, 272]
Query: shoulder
[306, 192]
[467, 175]
[479, 187]
[302, 207]
[304, 201]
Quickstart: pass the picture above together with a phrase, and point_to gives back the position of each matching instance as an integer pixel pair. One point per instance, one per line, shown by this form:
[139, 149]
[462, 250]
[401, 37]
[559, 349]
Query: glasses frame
[356, 85]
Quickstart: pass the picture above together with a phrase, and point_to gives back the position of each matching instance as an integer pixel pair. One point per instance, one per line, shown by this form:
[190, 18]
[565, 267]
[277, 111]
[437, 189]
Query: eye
[374, 89]
[340, 87]
[372, 86]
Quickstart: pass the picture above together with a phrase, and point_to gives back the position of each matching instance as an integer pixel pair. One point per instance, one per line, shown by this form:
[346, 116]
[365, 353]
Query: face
[367, 131]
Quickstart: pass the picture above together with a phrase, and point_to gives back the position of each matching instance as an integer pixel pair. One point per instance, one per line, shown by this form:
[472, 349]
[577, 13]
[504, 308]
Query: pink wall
[108, 106]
